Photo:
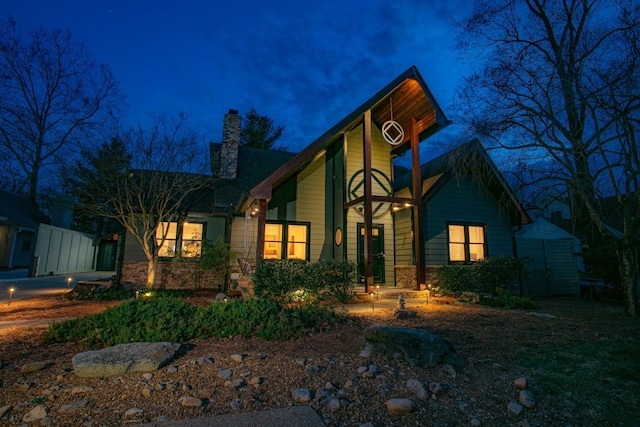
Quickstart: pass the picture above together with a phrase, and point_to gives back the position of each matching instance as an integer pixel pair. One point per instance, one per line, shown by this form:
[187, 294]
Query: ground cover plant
[152, 319]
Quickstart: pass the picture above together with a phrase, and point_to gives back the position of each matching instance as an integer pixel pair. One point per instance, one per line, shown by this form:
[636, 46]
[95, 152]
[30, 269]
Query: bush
[483, 276]
[305, 283]
[171, 319]
[504, 300]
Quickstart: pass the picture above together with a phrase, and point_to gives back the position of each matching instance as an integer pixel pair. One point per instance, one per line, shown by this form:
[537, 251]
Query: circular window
[338, 236]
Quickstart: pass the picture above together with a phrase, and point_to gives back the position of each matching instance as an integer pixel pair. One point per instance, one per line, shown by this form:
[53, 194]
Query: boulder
[418, 347]
[123, 358]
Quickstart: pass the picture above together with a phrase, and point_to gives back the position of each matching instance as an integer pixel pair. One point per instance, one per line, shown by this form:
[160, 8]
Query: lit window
[466, 243]
[293, 237]
[188, 243]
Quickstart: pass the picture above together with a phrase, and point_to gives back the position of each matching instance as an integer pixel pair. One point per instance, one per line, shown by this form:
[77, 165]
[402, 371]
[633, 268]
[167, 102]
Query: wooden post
[262, 222]
[418, 235]
[368, 208]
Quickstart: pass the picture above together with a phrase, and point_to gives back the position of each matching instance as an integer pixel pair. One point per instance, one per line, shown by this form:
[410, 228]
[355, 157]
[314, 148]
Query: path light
[428, 292]
[137, 293]
[377, 291]
[11, 291]
[372, 306]
[68, 283]
[226, 300]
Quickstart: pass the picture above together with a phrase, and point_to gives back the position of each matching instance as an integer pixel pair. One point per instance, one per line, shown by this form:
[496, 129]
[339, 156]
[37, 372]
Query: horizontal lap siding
[551, 268]
[239, 228]
[466, 201]
[310, 203]
[404, 237]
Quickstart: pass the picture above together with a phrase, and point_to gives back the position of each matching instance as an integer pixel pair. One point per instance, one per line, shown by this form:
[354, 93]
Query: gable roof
[469, 159]
[541, 228]
[20, 212]
[411, 98]
[254, 165]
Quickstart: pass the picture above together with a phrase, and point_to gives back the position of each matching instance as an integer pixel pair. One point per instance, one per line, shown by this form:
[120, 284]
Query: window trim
[284, 255]
[467, 253]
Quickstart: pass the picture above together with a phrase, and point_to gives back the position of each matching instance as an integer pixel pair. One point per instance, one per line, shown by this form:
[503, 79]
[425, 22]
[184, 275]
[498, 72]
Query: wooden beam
[418, 239]
[368, 208]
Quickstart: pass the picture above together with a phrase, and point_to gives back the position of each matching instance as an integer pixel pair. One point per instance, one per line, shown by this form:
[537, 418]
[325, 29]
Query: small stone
[245, 374]
[190, 401]
[225, 373]
[160, 387]
[46, 421]
[312, 370]
[81, 389]
[238, 384]
[348, 384]
[475, 422]
[448, 369]
[71, 407]
[256, 381]
[147, 376]
[499, 366]
[5, 410]
[173, 369]
[22, 386]
[520, 383]
[162, 418]
[301, 361]
[237, 357]
[133, 412]
[301, 395]
[33, 367]
[321, 394]
[417, 388]
[204, 361]
[235, 405]
[362, 370]
[333, 404]
[527, 400]
[147, 392]
[435, 388]
[37, 413]
[463, 406]
[523, 423]
[514, 408]
[186, 387]
[400, 406]
[366, 425]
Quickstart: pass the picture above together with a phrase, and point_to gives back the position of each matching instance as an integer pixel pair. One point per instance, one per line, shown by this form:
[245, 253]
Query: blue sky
[304, 64]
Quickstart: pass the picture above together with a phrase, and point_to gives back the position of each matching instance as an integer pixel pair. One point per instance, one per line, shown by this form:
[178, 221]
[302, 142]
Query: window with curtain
[185, 240]
[466, 242]
[284, 240]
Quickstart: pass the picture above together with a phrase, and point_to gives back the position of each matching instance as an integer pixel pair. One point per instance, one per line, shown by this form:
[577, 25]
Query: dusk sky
[304, 64]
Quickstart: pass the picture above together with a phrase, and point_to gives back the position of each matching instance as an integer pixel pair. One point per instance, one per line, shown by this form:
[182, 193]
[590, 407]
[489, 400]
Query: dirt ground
[491, 341]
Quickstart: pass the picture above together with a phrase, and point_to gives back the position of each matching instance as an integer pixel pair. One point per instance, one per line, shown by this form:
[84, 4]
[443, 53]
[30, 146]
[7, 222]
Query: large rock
[418, 347]
[123, 358]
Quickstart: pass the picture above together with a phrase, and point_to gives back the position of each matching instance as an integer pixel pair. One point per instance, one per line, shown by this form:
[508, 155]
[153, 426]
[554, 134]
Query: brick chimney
[229, 146]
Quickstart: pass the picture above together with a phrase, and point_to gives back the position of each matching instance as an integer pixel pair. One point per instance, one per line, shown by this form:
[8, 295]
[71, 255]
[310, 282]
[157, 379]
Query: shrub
[304, 283]
[171, 319]
[482, 276]
[504, 300]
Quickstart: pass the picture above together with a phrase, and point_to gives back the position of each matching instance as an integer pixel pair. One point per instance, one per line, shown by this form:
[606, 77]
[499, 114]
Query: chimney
[229, 146]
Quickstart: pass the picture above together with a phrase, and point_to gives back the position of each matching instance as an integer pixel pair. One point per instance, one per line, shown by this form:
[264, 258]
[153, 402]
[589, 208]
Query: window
[466, 243]
[286, 241]
[188, 241]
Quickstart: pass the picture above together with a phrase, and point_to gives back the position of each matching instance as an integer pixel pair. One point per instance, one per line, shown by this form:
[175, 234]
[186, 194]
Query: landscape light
[68, 283]
[377, 291]
[11, 290]
[372, 306]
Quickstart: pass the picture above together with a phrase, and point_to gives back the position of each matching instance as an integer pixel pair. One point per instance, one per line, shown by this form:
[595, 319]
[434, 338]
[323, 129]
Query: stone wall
[406, 276]
[170, 275]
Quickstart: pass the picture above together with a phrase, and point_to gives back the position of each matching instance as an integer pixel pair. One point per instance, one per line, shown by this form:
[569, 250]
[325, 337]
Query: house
[470, 212]
[341, 197]
[19, 222]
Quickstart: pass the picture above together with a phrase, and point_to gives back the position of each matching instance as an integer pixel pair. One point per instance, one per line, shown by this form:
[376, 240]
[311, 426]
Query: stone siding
[169, 275]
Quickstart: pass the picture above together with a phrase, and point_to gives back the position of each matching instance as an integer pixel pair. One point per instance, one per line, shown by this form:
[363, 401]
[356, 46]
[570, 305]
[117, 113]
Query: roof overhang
[407, 96]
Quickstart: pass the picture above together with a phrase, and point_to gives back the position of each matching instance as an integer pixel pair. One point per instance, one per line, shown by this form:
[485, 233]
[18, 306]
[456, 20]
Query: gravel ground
[326, 362]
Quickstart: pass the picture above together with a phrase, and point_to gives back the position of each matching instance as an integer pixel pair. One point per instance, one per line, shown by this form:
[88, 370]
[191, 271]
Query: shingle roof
[19, 211]
[254, 165]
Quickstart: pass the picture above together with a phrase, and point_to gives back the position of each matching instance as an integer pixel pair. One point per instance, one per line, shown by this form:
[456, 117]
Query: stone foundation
[169, 275]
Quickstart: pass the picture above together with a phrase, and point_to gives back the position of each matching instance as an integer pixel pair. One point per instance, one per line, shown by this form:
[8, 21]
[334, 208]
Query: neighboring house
[554, 256]
[19, 222]
[470, 211]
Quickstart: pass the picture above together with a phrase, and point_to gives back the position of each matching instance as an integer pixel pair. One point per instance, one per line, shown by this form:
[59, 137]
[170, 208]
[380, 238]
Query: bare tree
[145, 179]
[558, 83]
[52, 95]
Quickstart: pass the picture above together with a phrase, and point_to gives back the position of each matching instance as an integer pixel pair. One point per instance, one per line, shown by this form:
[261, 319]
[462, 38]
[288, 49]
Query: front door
[378, 252]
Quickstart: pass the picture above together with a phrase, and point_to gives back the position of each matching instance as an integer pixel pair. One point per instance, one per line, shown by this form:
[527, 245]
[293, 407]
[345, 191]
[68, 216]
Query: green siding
[404, 237]
[310, 203]
[464, 200]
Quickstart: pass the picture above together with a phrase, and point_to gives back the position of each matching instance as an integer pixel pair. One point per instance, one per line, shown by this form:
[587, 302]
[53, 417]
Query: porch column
[368, 208]
[418, 235]
[262, 222]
